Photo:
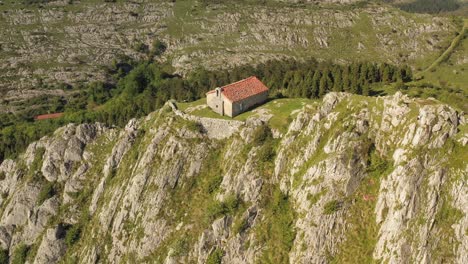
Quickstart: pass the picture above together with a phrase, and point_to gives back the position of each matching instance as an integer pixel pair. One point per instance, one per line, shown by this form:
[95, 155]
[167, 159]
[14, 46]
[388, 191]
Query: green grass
[456, 41]
[283, 110]
[184, 105]
[362, 231]
[332, 207]
[276, 230]
[215, 257]
[20, 254]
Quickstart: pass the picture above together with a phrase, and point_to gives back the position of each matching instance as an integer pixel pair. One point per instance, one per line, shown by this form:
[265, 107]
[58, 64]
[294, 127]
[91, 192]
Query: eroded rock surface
[166, 189]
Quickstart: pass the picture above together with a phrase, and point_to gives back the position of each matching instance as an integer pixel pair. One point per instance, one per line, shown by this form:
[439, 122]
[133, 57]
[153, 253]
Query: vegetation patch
[215, 257]
[72, 235]
[20, 254]
[180, 247]
[4, 258]
[146, 86]
[276, 232]
[200, 210]
[362, 232]
[216, 209]
[314, 198]
[332, 207]
[444, 248]
[47, 191]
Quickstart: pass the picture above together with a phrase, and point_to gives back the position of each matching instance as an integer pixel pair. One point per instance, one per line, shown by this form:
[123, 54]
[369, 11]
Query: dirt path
[455, 42]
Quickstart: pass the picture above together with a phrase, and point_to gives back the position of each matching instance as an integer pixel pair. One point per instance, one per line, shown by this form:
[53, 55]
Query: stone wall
[248, 103]
[216, 103]
[213, 127]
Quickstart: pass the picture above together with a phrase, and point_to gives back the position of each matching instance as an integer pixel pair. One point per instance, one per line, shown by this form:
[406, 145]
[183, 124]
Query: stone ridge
[161, 190]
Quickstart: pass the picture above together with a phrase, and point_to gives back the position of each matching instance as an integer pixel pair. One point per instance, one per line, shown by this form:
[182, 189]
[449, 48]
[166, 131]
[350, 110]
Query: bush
[261, 135]
[216, 208]
[141, 47]
[20, 254]
[430, 6]
[2, 175]
[241, 225]
[195, 126]
[276, 231]
[73, 235]
[215, 257]
[47, 191]
[331, 207]
[158, 48]
[180, 247]
[266, 153]
[214, 183]
[4, 256]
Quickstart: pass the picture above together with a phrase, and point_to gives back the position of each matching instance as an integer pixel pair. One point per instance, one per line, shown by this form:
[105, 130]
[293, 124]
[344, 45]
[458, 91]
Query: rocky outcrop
[72, 43]
[384, 173]
[52, 247]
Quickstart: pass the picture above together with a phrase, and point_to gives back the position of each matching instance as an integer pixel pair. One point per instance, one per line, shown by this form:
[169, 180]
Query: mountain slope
[48, 47]
[353, 179]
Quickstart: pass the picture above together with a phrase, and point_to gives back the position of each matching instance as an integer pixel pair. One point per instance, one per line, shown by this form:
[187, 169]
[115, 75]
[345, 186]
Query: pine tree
[325, 83]
[315, 84]
[345, 79]
[386, 73]
[366, 89]
[337, 80]
[307, 86]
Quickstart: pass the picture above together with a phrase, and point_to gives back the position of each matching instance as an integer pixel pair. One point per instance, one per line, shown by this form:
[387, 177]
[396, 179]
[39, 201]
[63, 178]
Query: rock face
[353, 179]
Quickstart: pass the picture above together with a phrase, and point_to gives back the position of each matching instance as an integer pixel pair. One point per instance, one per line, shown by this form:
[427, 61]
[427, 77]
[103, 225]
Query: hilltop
[348, 179]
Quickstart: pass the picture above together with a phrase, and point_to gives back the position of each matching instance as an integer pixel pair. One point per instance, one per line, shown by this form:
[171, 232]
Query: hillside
[51, 49]
[346, 179]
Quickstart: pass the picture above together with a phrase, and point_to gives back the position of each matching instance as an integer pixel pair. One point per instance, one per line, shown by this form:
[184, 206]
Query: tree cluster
[430, 6]
[144, 87]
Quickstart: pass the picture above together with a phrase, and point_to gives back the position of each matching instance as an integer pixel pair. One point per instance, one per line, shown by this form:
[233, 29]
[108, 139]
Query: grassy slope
[283, 111]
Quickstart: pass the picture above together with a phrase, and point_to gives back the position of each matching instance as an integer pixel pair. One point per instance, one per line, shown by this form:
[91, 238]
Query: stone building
[236, 98]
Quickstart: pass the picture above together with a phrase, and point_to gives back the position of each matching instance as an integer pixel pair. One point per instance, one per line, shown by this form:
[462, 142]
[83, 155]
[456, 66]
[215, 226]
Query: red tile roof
[48, 116]
[243, 89]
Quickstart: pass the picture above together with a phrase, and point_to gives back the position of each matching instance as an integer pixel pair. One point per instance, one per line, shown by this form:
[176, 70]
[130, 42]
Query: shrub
[331, 207]
[216, 208]
[240, 225]
[266, 153]
[73, 235]
[261, 135]
[231, 203]
[180, 247]
[3, 256]
[158, 48]
[47, 191]
[20, 254]
[141, 47]
[215, 257]
[195, 126]
[2, 175]
[214, 183]
[276, 231]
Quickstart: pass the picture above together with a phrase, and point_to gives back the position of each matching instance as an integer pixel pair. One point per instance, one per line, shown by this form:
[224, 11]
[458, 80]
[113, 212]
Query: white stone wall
[215, 103]
[248, 103]
[214, 128]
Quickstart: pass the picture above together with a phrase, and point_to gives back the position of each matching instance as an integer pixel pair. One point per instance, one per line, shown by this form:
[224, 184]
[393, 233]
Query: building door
[222, 107]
